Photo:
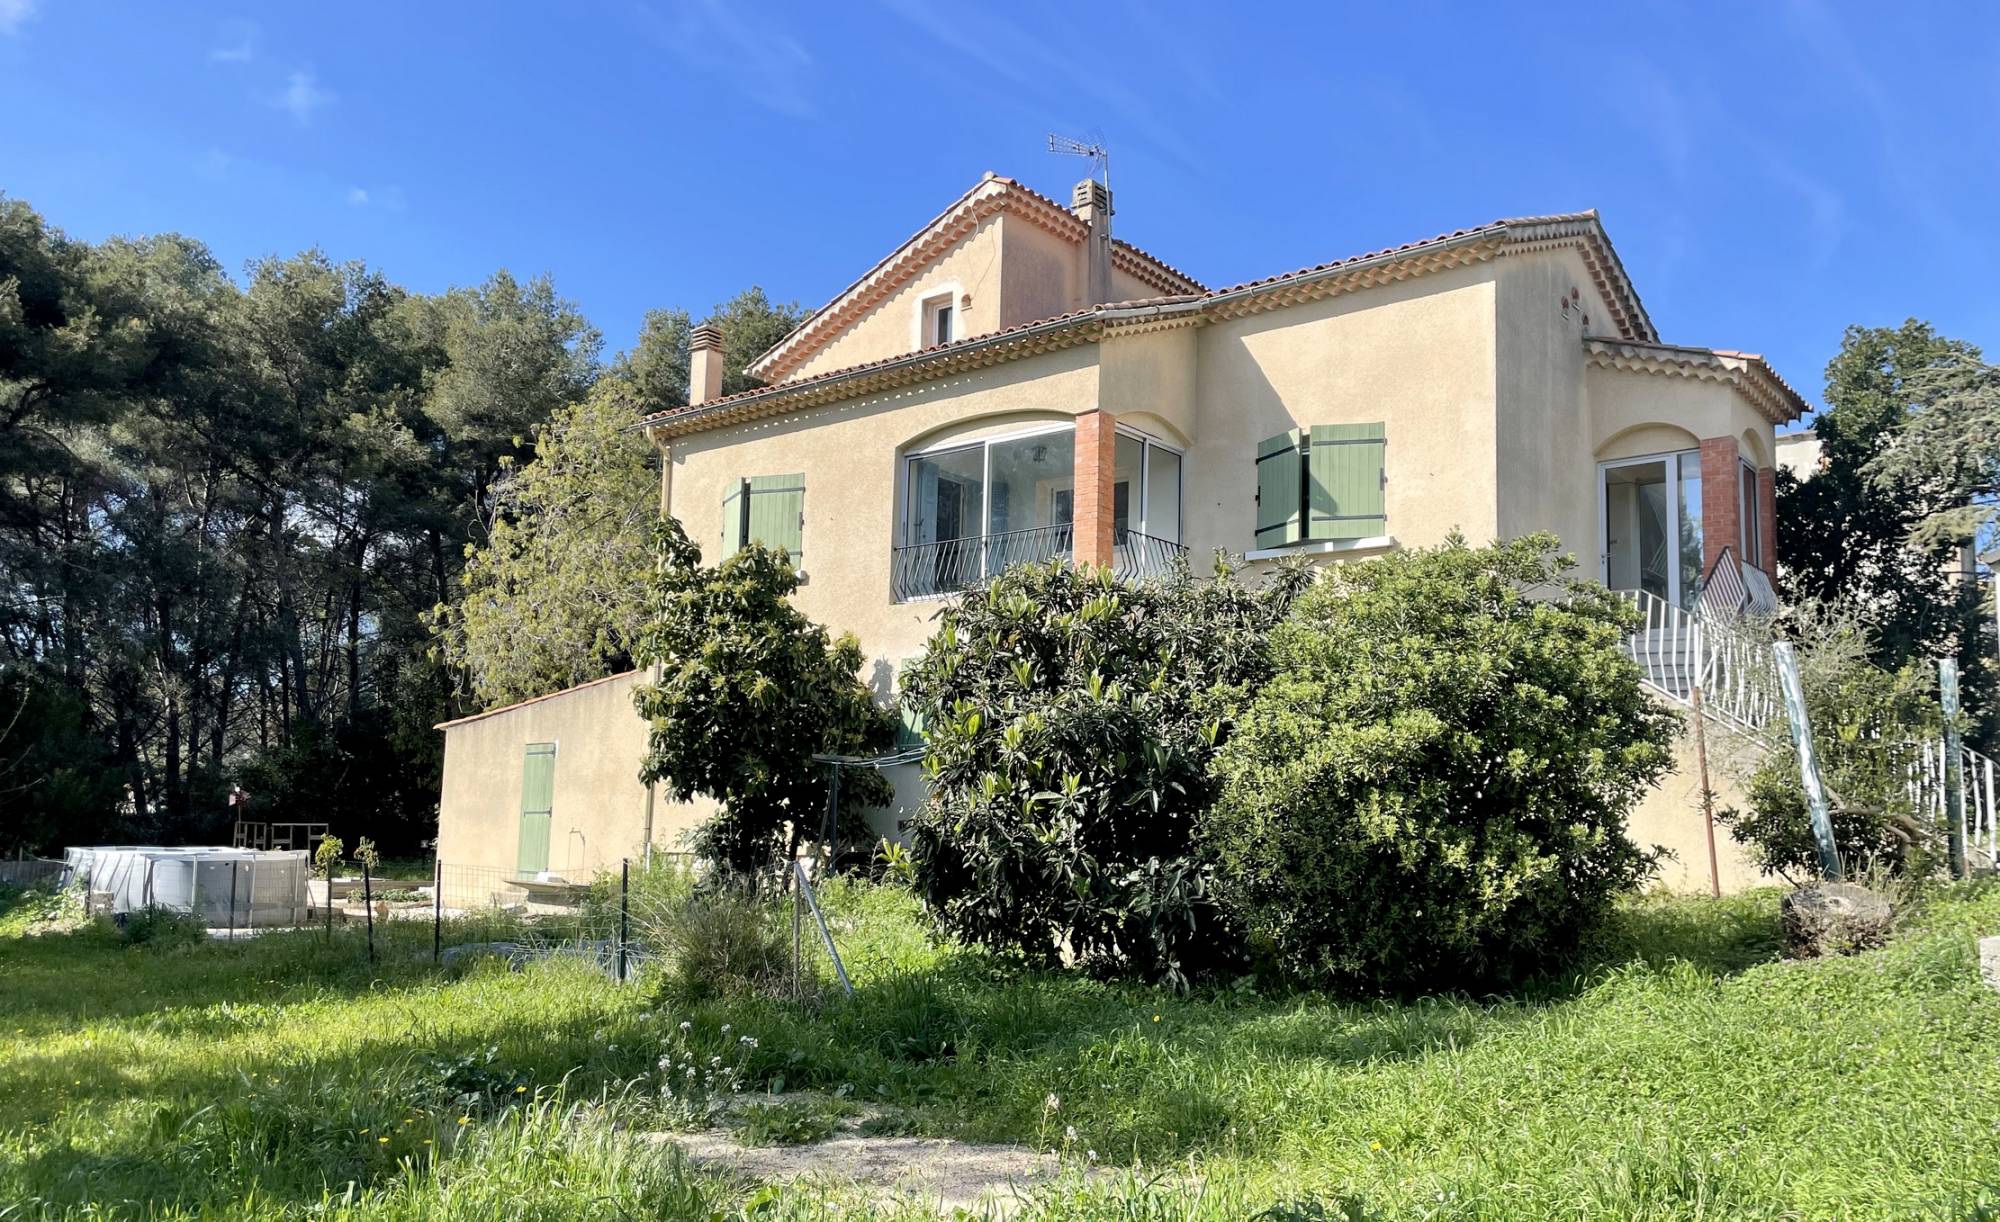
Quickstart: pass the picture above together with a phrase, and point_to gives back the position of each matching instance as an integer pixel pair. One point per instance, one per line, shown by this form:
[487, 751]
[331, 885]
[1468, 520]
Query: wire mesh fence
[630, 918]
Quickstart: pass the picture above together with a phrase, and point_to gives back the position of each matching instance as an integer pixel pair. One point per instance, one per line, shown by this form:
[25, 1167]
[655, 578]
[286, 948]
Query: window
[1752, 541]
[972, 510]
[766, 509]
[1651, 525]
[940, 319]
[1326, 482]
[1145, 490]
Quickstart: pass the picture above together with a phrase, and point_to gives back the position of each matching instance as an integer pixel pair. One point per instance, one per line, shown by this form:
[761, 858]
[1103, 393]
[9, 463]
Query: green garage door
[538, 791]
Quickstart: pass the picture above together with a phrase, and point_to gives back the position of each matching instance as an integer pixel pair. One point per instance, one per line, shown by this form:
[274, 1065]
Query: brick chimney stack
[704, 363]
[1091, 202]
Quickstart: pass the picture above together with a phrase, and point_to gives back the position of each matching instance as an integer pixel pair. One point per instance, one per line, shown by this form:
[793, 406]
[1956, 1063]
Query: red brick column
[1721, 500]
[1096, 463]
[1767, 518]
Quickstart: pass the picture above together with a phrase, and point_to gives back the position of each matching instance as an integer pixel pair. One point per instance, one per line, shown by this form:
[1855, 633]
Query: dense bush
[1432, 787]
[1070, 720]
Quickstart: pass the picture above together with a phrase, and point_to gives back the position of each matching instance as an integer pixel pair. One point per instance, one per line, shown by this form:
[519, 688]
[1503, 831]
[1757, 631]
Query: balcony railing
[948, 566]
[926, 570]
[1135, 556]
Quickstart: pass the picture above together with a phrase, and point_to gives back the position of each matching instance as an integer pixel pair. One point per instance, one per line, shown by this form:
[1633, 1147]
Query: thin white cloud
[759, 59]
[13, 13]
[384, 199]
[302, 95]
[238, 44]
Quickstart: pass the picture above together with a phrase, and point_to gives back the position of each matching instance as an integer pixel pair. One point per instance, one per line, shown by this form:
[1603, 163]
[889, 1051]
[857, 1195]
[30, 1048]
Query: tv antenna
[1100, 157]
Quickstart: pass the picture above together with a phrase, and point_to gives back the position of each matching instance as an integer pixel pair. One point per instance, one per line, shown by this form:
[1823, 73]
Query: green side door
[538, 791]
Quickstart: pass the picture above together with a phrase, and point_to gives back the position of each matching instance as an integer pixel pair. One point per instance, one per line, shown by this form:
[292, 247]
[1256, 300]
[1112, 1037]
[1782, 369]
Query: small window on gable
[940, 321]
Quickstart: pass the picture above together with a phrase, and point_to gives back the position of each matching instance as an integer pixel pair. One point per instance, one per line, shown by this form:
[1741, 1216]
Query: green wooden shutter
[1344, 482]
[735, 522]
[778, 513]
[538, 793]
[1279, 520]
[910, 728]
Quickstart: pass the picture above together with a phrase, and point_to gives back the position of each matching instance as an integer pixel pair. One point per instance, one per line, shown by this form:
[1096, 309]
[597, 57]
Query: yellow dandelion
[464, 1120]
[1156, 1018]
[382, 1141]
[1374, 1145]
[520, 1090]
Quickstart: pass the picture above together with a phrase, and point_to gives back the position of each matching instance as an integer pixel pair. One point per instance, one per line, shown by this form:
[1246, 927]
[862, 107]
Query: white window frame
[1672, 459]
[949, 293]
[1145, 515]
[986, 444]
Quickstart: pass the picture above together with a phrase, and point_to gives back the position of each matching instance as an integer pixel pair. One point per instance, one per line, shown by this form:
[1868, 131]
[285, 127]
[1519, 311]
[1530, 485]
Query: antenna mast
[1100, 156]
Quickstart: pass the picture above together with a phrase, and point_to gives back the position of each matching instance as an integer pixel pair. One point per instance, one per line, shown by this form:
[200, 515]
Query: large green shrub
[1070, 721]
[1432, 788]
[748, 691]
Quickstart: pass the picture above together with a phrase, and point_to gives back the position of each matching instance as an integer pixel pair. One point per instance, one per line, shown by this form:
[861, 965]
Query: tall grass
[1682, 1071]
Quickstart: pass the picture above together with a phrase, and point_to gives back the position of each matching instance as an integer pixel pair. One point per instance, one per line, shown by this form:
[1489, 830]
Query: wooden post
[1954, 754]
[1707, 794]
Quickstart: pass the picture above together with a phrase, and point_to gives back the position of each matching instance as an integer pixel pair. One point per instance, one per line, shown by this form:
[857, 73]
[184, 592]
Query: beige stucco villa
[1013, 383]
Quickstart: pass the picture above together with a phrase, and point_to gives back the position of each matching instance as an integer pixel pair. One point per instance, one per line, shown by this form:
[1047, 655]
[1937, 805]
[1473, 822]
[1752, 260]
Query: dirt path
[952, 1174]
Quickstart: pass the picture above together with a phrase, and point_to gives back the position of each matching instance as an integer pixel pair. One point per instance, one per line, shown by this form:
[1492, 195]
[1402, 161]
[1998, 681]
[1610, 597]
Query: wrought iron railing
[1732, 589]
[1677, 650]
[1135, 556]
[1979, 793]
[927, 570]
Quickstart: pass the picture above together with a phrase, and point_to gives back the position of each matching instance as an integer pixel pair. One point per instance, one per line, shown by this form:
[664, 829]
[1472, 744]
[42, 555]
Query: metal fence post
[624, 912]
[1954, 758]
[232, 901]
[368, 906]
[437, 911]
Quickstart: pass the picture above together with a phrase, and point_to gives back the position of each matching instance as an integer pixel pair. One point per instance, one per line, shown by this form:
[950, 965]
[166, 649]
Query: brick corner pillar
[1721, 500]
[1096, 462]
[1767, 519]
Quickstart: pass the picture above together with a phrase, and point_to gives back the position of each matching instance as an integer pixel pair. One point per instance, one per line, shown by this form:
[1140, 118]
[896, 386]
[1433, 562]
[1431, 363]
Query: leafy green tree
[558, 594]
[58, 780]
[657, 366]
[1874, 527]
[747, 691]
[1431, 790]
[1071, 719]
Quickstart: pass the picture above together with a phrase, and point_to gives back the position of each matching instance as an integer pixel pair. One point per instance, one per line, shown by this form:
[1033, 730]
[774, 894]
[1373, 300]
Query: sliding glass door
[1650, 519]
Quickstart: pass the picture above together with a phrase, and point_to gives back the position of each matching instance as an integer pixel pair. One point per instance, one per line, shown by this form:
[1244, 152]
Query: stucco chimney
[1091, 202]
[704, 363]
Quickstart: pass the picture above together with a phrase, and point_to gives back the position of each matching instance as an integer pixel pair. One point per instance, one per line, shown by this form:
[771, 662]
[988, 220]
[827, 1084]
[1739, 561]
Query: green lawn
[1685, 1073]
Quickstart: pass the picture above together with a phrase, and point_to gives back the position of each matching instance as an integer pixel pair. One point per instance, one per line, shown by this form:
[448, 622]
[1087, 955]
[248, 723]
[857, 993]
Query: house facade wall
[1417, 355]
[597, 814]
[971, 266]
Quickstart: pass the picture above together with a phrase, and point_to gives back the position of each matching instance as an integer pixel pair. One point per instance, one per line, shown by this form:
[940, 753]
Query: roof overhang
[1751, 375]
[1579, 230]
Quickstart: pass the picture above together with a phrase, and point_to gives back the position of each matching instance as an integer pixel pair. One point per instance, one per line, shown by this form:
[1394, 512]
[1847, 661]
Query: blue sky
[1769, 172]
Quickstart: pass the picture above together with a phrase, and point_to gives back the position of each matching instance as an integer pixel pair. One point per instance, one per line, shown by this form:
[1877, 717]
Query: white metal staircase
[1732, 661]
